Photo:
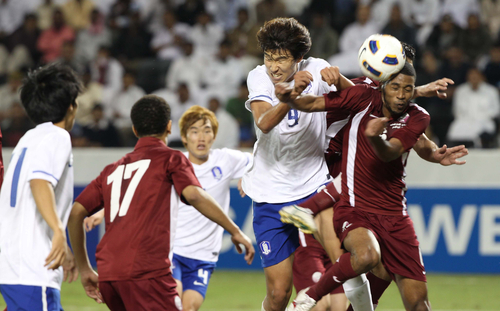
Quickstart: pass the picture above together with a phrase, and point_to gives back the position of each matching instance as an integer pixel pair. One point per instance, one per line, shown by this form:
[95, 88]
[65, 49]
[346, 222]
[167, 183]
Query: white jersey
[25, 238]
[289, 162]
[196, 236]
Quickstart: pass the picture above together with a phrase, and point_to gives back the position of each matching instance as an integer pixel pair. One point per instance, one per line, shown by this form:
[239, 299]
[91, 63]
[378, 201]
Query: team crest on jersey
[265, 247]
[308, 88]
[217, 172]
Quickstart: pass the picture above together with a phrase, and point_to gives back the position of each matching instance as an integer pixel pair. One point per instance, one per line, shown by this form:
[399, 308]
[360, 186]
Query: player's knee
[279, 298]
[421, 305]
[366, 259]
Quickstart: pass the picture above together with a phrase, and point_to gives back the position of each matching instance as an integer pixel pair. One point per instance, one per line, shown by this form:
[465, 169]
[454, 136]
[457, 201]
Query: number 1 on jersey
[125, 172]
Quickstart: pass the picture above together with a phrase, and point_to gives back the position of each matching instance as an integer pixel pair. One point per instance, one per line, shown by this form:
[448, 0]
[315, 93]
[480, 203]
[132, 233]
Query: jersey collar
[148, 142]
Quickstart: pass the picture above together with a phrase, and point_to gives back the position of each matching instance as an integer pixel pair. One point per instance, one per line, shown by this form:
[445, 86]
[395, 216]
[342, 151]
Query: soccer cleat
[302, 302]
[300, 217]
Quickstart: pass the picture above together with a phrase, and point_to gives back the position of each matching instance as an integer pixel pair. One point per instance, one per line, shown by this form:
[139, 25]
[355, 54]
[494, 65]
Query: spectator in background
[71, 59]
[94, 36]
[107, 71]
[9, 93]
[325, 38]
[454, 66]
[52, 39]
[492, 69]
[188, 11]
[222, 74]
[225, 12]
[121, 105]
[475, 39]
[92, 94]
[459, 10]
[167, 39]
[443, 36]
[206, 36]
[398, 28]
[236, 107]
[133, 42]
[490, 13]
[187, 69]
[238, 36]
[268, 9]
[22, 45]
[476, 105]
[45, 14]
[351, 39]
[101, 132]
[11, 17]
[77, 13]
[16, 126]
[423, 15]
[120, 12]
[228, 135]
[178, 104]
[440, 110]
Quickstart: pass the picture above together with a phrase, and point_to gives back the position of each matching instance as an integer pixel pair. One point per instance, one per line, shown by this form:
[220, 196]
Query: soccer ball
[381, 56]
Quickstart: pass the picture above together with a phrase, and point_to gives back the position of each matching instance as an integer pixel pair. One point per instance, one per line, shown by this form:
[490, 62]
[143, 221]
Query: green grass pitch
[235, 290]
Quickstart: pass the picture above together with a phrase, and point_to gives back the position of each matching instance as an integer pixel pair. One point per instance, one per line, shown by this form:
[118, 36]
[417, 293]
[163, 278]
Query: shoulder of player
[313, 64]
[415, 109]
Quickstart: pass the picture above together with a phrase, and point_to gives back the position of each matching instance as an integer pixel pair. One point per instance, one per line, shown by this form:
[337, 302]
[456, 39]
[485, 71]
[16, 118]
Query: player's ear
[169, 127]
[135, 131]
[184, 140]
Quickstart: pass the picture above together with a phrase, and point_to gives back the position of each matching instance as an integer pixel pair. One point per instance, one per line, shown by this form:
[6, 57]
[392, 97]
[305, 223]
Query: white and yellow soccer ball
[381, 56]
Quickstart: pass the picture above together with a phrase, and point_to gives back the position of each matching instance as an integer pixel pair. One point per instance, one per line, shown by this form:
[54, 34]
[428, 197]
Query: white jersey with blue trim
[25, 238]
[196, 236]
[289, 161]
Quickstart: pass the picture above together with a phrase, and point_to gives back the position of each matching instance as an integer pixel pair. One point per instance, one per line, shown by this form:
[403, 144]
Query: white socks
[358, 292]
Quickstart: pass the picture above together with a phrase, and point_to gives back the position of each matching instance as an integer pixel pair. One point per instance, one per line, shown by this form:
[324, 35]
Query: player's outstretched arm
[332, 75]
[437, 88]
[44, 196]
[89, 277]
[386, 150]
[445, 156]
[266, 116]
[307, 103]
[93, 221]
[206, 205]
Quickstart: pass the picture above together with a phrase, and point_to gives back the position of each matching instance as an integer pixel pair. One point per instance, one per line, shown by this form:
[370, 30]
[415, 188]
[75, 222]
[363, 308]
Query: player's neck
[197, 160]
[62, 124]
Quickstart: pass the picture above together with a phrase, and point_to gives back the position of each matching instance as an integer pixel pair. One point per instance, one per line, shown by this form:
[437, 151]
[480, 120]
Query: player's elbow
[265, 127]
[192, 195]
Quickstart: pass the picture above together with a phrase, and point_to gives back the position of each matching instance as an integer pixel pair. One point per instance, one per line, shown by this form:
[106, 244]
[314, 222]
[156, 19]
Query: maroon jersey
[368, 182]
[137, 193]
[336, 119]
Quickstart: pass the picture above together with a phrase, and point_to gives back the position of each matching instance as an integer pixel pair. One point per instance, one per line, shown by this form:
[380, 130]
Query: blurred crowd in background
[199, 52]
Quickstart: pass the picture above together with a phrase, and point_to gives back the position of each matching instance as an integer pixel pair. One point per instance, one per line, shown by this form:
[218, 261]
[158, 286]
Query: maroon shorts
[310, 262]
[153, 294]
[395, 234]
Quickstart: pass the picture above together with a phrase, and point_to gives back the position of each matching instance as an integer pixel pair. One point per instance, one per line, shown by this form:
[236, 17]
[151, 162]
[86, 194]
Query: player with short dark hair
[37, 194]
[372, 204]
[140, 195]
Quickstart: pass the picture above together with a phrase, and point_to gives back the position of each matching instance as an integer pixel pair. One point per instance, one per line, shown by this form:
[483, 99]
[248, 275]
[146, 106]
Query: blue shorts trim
[276, 241]
[32, 298]
[194, 274]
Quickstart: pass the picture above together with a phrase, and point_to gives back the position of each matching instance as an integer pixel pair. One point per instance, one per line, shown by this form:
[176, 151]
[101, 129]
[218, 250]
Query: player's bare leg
[326, 234]
[413, 293]
[179, 287]
[278, 285]
[338, 302]
[323, 304]
[191, 300]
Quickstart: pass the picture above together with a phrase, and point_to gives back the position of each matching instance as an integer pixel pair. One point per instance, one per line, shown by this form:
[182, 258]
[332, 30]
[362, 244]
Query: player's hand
[58, 252]
[284, 92]
[437, 88]
[90, 280]
[93, 221]
[69, 268]
[331, 75]
[302, 80]
[375, 127]
[240, 189]
[239, 239]
[449, 156]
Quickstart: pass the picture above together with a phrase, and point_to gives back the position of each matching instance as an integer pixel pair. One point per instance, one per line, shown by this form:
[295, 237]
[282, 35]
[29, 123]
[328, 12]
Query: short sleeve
[92, 196]
[416, 126]
[182, 173]
[354, 99]
[53, 153]
[241, 161]
[260, 87]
